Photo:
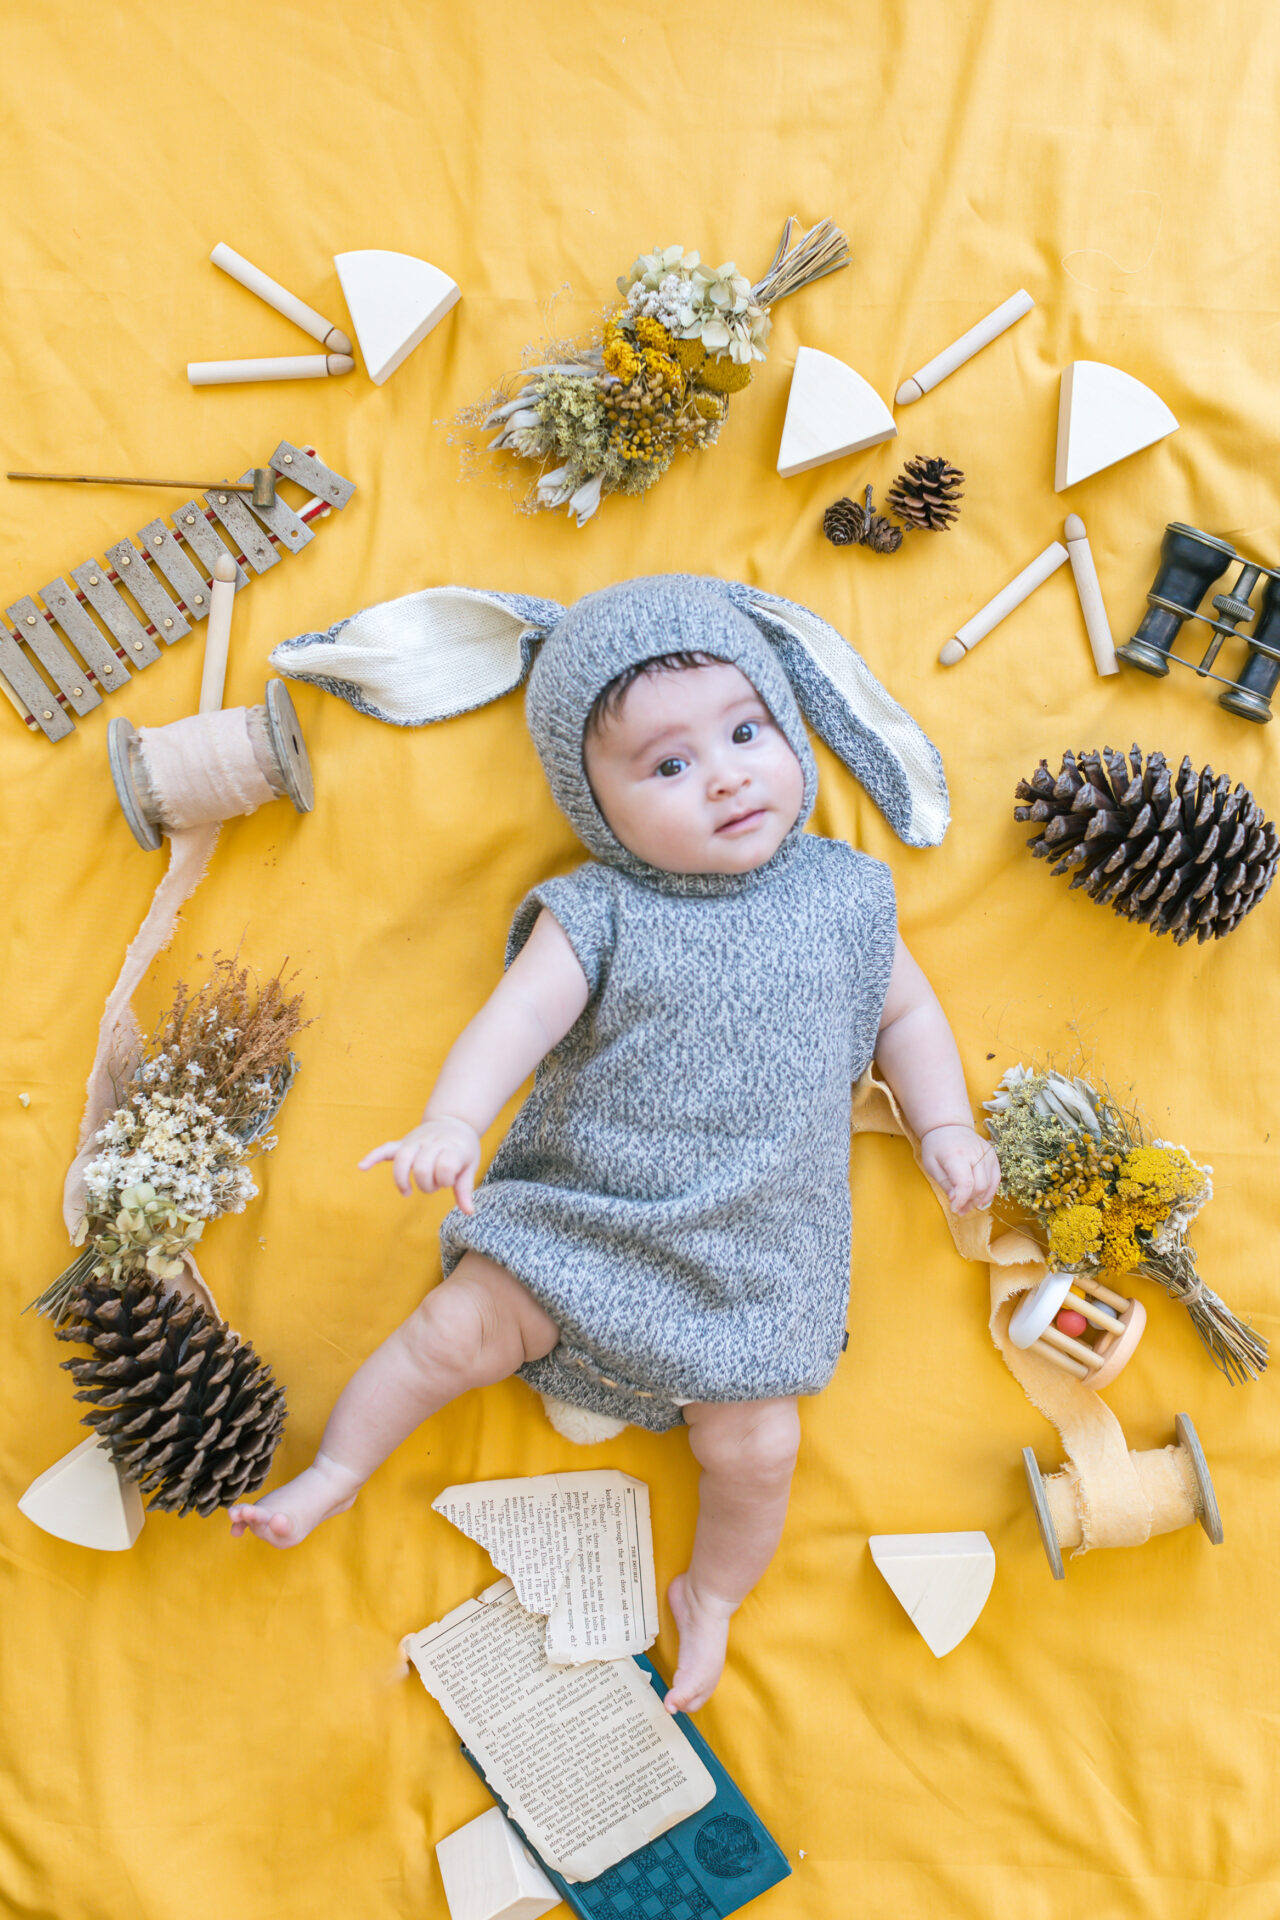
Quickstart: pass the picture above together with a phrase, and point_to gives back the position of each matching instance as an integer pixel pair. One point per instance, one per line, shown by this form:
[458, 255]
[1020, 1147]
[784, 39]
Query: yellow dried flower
[1074, 1234]
[620, 357]
[690, 354]
[651, 333]
[1163, 1174]
[723, 375]
[710, 405]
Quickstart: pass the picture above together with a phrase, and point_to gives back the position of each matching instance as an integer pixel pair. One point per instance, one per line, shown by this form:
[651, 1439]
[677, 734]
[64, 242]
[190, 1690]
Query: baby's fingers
[384, 1152]
[464, 1187]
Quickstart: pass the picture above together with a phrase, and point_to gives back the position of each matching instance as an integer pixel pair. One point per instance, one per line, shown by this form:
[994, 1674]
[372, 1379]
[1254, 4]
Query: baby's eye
[668, 769]
[747, 732]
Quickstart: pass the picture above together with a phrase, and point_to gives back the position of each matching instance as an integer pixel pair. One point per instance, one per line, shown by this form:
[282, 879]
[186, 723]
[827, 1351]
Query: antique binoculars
[1190, 562]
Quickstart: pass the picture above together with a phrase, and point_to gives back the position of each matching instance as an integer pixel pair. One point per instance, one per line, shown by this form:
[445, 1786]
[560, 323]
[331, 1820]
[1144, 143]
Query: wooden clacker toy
[1079, 1325]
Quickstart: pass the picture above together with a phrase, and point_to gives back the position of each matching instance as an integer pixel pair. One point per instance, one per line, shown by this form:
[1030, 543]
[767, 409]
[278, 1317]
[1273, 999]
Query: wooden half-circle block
[489, 1874]
[831, 412]
[1104, 416]
[942, 1579]
[82, 1498]
[394, 301]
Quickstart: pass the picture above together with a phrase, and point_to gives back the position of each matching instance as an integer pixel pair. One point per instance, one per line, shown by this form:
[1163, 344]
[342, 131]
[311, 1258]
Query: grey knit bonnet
[445, 650]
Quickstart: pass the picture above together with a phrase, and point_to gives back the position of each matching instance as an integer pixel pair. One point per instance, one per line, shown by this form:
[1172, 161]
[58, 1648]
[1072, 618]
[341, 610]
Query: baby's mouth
[742, 821]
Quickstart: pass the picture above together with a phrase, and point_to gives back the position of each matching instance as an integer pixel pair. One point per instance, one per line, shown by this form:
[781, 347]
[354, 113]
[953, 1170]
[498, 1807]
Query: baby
[664, 1235]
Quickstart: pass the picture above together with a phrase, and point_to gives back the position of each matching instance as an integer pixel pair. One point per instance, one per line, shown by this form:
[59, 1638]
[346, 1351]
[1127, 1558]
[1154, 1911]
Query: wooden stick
[1059, 1360]
[1076, 1348]
[964, 348]
[217, 635]
[280, 298]
[295, 366]
[1087, 1284]
[1018, 589]
[1096, 1316]
[1092, 606]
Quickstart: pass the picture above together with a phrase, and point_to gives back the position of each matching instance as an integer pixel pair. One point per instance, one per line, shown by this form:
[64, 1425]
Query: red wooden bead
[1069, 1321]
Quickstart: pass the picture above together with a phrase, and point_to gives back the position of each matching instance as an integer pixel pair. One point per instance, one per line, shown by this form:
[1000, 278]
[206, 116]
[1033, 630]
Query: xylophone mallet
[1097, 625]
[290, 366]
[1018, 590]
[988, 329]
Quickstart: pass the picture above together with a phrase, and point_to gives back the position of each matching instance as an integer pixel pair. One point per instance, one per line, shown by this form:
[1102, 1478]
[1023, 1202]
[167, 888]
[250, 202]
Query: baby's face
[694, 775]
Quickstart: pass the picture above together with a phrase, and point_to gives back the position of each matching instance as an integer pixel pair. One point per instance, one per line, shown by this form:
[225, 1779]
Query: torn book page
[578, 1548]
[587, 1759]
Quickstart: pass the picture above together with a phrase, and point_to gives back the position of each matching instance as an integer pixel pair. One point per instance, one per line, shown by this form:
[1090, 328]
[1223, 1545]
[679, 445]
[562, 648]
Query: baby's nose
[728, 777]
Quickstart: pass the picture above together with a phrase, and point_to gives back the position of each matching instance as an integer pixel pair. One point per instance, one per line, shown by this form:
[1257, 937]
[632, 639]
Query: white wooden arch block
[831, 412]
[942, 1579]
[489, 1874]
[1104, 415]
[394, 301]
[82, 1498]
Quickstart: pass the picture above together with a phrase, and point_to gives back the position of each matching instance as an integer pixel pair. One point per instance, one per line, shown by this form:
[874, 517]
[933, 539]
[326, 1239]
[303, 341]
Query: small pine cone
[842, 522]
[1182, 854]
[926, 495]
[182, 1406]
[846, 524]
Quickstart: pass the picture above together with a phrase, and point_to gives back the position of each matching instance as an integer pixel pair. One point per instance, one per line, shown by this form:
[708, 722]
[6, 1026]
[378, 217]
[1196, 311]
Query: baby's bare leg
[747, 1451]
[476, 1327]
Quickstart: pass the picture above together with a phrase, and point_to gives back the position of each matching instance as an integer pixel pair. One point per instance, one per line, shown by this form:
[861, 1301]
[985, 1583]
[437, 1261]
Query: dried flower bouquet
[609, 415]
[1109, 1200]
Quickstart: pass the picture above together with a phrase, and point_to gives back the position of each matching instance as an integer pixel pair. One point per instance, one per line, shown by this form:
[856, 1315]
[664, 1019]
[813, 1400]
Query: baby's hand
[438, 1153]
[963, 1164]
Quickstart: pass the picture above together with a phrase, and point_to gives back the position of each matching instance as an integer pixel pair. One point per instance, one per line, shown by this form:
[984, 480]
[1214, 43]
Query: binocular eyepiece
[1190, 562]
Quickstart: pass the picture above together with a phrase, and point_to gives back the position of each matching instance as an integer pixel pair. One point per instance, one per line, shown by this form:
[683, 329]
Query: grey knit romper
[675, 1189]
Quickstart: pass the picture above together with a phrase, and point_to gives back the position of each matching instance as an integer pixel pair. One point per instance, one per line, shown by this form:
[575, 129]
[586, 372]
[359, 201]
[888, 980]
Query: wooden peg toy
[1019, 589]
[290, 366]
[1173, 1481]
[979, 336]
[1092, 606]
[330, 337]
[1079, 1325]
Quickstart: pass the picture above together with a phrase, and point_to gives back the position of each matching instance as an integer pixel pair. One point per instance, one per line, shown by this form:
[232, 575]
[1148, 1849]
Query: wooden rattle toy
[1055, 1317]
[169, 601]
[1173, 1482]
[1190, 562]
[217, 762]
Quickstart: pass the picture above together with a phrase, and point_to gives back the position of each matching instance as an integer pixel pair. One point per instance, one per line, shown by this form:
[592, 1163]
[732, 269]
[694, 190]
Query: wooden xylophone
[183, 556]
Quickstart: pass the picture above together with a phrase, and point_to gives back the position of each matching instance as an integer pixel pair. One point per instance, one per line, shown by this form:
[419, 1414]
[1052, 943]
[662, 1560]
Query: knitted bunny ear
[859, 719]
[428, 656]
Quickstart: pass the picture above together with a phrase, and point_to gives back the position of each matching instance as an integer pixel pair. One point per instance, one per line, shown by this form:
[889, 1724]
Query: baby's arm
[917, 1053]
[537, 1001]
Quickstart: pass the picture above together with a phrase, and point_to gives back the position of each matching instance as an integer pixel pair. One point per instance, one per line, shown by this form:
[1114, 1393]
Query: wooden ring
[1039, 1309]
[1117, 1348]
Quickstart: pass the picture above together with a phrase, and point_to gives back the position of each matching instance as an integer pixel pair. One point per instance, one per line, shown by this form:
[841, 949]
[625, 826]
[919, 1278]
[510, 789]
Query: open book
[586, 1758]
[578, 1548]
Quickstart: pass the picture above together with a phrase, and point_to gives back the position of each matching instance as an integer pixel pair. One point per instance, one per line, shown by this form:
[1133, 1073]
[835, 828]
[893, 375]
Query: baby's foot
[287, 1515]
[703, 1627]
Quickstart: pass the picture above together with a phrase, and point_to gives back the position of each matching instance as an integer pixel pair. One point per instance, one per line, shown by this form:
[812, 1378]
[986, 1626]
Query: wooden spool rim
[1208, 1515]
[121, 734]
[289, 746]
[1044, 1519]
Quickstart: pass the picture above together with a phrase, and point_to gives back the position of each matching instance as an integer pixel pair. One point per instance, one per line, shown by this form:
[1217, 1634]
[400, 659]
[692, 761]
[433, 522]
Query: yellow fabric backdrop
[198, 1727]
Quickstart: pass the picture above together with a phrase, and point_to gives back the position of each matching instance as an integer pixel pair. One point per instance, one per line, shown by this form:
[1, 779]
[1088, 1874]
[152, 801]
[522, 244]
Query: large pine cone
[1183, 855]
[926, 495]
[182, 1405]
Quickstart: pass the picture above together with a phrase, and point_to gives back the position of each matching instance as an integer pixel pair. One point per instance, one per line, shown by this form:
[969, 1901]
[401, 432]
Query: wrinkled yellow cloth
[199, 1727]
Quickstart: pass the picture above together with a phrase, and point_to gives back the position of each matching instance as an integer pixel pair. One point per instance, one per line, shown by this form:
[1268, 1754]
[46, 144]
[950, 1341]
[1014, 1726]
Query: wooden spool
[289, 773]
[1206, 1503]
[1115, 1326]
